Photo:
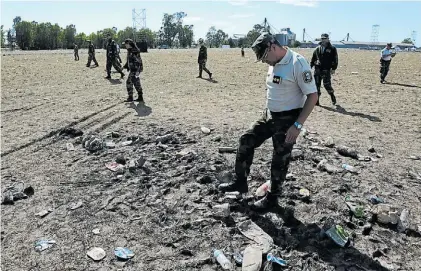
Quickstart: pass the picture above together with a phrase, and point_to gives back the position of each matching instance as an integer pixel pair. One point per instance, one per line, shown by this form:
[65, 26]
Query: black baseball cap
[260, 46]
[324, 36]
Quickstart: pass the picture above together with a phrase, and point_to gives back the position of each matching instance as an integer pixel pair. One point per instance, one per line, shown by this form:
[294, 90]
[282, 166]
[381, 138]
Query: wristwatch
[298, 125]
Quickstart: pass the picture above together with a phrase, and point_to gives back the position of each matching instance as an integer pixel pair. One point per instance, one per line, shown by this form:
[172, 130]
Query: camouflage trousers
[324, 75]
[90, 58]
[115, 63]
[384, 68]
[76, 55]
[202, 67]
[271, 124]
[131, 81]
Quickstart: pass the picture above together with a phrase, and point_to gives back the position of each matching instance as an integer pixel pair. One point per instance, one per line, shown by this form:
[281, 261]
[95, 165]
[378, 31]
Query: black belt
[292, 112]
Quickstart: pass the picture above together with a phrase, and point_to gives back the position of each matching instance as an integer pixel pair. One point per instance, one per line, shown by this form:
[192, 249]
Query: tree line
[172, 33]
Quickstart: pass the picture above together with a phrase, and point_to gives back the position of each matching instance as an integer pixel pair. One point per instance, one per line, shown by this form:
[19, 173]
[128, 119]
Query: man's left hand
[292, 135]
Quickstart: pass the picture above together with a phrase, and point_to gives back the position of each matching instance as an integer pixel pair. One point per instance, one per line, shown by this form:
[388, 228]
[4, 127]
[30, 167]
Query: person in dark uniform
[91, 54]
[325, 63]
[242, 51]
[203, 57]
[112, 59]
[134, 66]
[76, 51]
[291, 96]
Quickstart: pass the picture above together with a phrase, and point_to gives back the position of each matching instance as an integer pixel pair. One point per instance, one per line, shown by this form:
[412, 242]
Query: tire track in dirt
[26, 108]
[55, 131]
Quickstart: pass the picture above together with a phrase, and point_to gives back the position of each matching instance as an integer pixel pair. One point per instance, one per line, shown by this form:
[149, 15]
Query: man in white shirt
[291, 96]
[386, 57]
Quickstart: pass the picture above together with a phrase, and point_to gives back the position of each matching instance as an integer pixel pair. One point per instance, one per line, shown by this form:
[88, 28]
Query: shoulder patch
[307, 77]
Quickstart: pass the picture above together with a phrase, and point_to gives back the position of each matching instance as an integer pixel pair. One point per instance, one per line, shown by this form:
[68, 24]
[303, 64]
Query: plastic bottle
[349, 168]
[403, 222]
[222, 260]
[263, 189]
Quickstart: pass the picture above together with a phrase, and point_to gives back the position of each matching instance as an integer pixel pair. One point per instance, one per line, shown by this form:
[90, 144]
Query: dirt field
[163, 210]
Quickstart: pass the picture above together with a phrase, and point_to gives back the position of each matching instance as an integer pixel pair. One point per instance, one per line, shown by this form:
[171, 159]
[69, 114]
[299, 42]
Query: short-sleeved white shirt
[386, 51]
[288, 83]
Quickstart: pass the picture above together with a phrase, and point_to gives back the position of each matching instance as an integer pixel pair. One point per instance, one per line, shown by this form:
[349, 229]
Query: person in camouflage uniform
[203, 57]
[134, 66]
[291, 97]
[325, 63]
[112, 59]
[91, 54]
[76, 51]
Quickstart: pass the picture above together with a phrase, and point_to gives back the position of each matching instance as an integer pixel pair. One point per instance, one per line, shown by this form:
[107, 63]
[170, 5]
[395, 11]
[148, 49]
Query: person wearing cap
[134, 66]
[91, 54]
[325, 63]
[385, 59]
[112, 59]
[203, 57]
[291, 96]
[76, 51]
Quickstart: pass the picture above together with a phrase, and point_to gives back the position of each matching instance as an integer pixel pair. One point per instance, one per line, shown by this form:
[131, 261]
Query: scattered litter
[249, 229]
[349, 168]
[338, 235]
[329, 142]
[357, 210]
[114, 166]
[72, 132]
[252, 258]
[238, 258]
[126, 143]
[222, 260]
[375, 199]
[403, 222]
[44, 244]
[17, 192]
[70, 146]
[75, 205]
[222, 210]
[227, 150]
[277, 260]
[95, 231]
[96, 253]
[386, 214]
[110, 144]
[371, 149]
[354, 72]
[415, 157]
[263, 189]
[92, 143]
[304, 192]
[346, 151]
[205, 130]
[43, 213]
[123, 253]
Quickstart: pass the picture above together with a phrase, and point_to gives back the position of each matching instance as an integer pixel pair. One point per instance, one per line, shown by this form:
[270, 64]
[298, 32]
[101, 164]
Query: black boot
[241, 187]
[140, 98]
[129, 99]
[333, 98]
[210, 75]
[269, 201]
[108, 77]
[122, 74]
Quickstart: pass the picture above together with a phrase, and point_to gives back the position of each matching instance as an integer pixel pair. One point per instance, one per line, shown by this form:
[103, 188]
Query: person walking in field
[385, 58]
[134, 66]
[76, 51]
[112, 59]
[91, 54]
[291, 97]
[202, 58]
[325, 63]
